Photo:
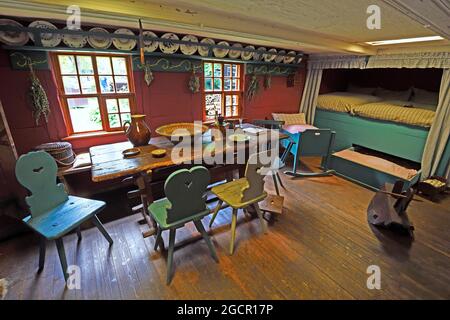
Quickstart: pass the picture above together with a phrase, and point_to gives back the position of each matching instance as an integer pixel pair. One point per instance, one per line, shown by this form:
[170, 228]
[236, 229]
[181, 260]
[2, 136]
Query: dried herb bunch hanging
[194, 82]
[267, 81]
[148, 74]
[253, 87]
[40, 104]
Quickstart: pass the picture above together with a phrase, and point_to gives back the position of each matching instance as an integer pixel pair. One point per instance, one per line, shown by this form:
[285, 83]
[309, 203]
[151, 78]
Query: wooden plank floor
[319, 248]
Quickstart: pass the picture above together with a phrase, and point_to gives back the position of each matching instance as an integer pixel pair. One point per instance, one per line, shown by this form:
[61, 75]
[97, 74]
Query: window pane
[121, 83]
[227, 70]
[235, 72]
[217, 84]
[235, 111]
[208, 84]
[114, 120]
[104, 65]
[235, 99]
[228, 112]
[88, 84]
[124, 105]
[227, 85]
[208, 70]
[235, 85]
[71, 85]
[119, 66]
[106, 84]
[228, 101]
[217, 70]
[111, 106]
[125, 117]
[85, 114]
[67, 64]
[85, 65]
[213, 103]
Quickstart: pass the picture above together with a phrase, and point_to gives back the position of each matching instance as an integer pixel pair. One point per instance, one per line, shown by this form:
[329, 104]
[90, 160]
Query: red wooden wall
[166, 100]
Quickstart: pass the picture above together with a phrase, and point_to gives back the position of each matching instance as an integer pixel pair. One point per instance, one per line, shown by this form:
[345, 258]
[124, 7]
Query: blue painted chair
[185, 202]
[310, 143]
[53, 213]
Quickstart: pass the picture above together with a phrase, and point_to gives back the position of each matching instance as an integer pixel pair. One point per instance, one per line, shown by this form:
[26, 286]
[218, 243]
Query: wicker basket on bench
[62, 152]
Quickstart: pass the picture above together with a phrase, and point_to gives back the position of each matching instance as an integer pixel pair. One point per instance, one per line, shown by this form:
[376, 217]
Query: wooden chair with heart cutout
[185, 201]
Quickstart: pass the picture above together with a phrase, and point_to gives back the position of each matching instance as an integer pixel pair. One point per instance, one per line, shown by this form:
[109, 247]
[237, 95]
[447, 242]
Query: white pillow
[360, 90]
[290, 118]
[393, 95]
[425, 97]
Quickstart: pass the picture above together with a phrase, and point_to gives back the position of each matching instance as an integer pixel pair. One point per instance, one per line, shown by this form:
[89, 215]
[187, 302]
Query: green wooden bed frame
[399, 140]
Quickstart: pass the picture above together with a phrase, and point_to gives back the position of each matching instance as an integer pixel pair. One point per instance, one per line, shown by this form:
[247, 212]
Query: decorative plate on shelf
[270, 56]
[259, 55]
[169, 47]
[150, 45]
[219, 52]
[74, 40]
[99, 42]
[13, 38]
[124, 44]
[47, 39]
[288, 59]
[235, 54]
[279, 59]
[247, 55]
[204, 51]
[189, 49]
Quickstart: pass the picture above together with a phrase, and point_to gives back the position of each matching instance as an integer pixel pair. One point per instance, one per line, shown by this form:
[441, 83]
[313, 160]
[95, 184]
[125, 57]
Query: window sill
[77, 136]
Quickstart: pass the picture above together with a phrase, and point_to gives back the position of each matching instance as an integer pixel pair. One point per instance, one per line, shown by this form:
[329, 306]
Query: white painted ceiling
[335, 26]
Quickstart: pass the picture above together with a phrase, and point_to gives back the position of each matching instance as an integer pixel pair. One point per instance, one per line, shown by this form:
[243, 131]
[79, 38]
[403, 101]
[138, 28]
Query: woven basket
[61, 151]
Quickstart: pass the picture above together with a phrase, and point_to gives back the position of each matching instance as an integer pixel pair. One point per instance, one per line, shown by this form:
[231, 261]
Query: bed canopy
[438, 136]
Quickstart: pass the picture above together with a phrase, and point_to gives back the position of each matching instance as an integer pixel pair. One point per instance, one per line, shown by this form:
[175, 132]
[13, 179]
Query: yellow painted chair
[243, 193]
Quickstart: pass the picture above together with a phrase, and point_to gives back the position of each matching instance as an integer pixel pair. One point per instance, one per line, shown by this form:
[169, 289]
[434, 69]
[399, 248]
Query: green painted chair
[185, 202]
[243, 193]
[53, 213]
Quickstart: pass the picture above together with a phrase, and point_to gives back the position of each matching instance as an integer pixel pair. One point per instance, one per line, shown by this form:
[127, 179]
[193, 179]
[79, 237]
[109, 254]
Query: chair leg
[62, 256]
[102, 229]
[201, 229]
[280, 181]
[79, 233]
[275, 182]
[170, 255]
[233, 230]
[42, 245]
[216, 211]
[158, 238]
[261, 217]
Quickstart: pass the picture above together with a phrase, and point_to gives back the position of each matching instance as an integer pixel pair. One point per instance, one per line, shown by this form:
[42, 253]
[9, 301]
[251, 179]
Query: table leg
[146, 198]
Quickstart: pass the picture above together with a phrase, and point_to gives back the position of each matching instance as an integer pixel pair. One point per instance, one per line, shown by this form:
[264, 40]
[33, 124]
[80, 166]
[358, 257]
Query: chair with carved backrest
[185, 201]
[242, 193]
[53, 213]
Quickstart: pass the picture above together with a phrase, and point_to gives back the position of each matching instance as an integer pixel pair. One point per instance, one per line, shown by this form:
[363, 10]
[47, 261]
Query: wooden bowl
[185, 129]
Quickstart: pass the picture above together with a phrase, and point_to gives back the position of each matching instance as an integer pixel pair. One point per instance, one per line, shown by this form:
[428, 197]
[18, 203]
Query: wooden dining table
[109, 163]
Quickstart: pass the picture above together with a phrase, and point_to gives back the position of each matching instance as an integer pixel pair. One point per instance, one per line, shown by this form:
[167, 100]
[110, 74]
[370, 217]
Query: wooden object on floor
[432, 186]
[53, 213]
[185, 202]
[242, 193]
[388, 211]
